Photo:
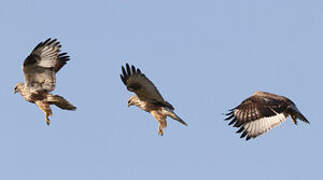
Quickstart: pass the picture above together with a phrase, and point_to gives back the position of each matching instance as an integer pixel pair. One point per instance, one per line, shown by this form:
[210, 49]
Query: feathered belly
[32, 97]
[147, 106]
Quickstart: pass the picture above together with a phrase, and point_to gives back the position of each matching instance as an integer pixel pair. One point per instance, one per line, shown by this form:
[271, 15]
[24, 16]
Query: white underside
[263, 125]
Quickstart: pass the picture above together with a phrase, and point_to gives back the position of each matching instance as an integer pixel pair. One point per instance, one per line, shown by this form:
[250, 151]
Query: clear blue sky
[204, 56]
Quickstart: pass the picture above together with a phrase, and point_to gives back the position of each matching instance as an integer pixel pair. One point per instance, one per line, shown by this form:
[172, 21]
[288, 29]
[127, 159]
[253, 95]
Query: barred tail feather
[60, 102]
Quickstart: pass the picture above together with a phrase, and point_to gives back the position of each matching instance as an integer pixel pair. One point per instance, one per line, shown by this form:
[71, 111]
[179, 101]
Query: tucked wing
[257, 115]
[138, 83]
[41, 65]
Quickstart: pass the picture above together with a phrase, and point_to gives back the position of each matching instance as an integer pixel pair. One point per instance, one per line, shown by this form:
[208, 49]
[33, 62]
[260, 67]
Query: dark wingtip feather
[127, 72]
[123, 80]
[133, 68]
[63, 57]
[50, 42]
[238, 124]
[244, 134]
[62, 60]
[138, 71]
[229, 117]
[229, 113]
[233, 121]
[47, 40]
[240, 130]
[57, 43]
[128, 69]
[54, 40]
[124, 73]
[169, 105]
[41, 43]
[233, 109]
[62, 54]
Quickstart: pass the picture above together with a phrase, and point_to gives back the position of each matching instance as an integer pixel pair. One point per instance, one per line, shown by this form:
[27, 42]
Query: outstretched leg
[47, 117]
[160, 130]
[44, 106]
[161, 121]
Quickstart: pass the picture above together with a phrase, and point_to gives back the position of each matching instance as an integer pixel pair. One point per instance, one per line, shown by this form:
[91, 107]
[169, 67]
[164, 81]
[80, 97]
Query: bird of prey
[40, 69]
[261, 112]
[147, 97]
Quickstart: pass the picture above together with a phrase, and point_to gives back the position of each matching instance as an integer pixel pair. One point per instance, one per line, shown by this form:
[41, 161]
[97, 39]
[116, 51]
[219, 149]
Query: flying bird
[40, 69]
[147, 97]
[261, 112]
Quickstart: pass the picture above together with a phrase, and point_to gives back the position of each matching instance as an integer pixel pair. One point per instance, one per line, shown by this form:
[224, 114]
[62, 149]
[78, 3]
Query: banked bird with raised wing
[261, 112]
[147, 97]
[40, 69]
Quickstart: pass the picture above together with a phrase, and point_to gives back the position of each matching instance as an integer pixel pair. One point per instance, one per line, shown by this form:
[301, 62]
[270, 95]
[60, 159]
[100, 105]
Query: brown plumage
[147, 97]
[40, 69]
[261, 112]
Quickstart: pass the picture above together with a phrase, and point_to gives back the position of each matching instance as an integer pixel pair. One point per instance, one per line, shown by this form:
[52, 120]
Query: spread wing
[257, 114]
[41, 66]
[138, 83]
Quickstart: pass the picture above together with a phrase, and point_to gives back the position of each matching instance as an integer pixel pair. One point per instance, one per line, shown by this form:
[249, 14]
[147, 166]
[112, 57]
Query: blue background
[204, 56]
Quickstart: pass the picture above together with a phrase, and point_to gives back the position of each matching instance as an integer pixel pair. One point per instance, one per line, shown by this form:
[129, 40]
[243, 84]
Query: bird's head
[18, 87]
[132, 101]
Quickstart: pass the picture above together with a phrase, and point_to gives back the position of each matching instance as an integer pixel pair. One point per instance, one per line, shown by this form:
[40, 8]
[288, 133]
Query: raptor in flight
[147, 96]
[261, 112]
[40, 69]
